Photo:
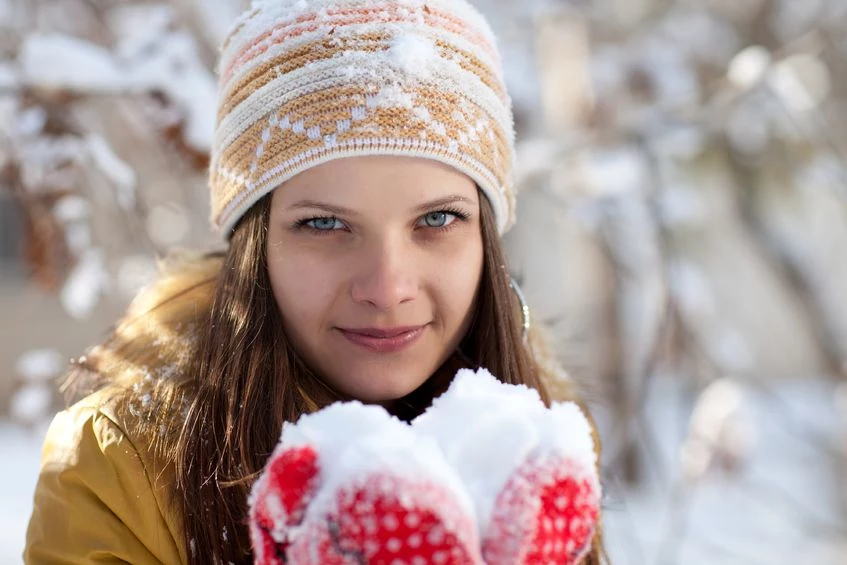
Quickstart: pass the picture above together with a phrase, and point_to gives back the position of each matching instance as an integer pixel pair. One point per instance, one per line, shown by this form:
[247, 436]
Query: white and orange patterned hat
[305, 82]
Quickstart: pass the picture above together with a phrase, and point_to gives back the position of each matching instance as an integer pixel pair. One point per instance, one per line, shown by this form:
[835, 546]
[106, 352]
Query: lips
[383, 340]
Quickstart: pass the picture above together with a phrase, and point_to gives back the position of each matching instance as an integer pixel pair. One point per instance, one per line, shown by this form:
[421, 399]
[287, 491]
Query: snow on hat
[305, 82]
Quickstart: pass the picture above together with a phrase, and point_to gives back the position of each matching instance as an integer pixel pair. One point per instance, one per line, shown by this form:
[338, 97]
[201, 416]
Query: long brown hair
[231, 387]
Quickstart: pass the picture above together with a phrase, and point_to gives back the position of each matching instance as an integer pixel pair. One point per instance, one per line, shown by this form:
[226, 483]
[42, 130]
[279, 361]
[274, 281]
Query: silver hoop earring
[524, 306]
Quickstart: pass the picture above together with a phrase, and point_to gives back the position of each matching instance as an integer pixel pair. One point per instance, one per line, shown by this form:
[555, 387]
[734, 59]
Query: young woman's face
[375, 264]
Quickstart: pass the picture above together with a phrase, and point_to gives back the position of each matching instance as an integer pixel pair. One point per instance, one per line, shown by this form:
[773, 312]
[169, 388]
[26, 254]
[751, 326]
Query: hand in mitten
[530, 470]
[488, 461]
[279, 499]
[352, 485]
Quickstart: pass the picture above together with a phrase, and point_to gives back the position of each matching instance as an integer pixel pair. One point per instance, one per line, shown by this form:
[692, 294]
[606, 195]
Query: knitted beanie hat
[303, 82]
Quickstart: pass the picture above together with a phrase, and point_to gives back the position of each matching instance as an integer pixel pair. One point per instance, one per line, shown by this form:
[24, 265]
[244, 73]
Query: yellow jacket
[99, 499]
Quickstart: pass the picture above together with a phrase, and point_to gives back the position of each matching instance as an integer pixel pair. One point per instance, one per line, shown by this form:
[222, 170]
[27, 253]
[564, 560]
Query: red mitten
[530, 470]
[279, 499]
[546, 513]
[360, 487]
[383, 518]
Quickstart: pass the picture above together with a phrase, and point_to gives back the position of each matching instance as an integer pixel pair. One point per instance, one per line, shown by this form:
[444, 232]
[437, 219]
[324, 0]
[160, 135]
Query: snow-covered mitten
[350, 485]
[279, 499]
[530, 470]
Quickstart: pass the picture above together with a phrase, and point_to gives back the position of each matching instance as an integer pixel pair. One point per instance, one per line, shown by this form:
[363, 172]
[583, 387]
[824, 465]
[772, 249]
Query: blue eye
[438, 219]
[324, 224]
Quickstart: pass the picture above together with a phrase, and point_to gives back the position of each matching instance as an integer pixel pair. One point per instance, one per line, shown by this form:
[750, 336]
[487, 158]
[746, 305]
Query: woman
[361, 175]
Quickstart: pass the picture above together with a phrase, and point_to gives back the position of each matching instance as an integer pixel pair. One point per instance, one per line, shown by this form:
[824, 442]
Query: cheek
[458, 273]
[303, 288]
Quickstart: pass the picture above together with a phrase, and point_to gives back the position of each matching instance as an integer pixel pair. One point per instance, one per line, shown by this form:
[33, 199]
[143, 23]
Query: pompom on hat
[305, 82]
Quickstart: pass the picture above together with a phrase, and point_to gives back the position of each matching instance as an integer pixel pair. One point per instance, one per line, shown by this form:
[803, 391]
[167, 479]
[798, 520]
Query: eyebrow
[446, 201]
[338, 210]
[342, 211]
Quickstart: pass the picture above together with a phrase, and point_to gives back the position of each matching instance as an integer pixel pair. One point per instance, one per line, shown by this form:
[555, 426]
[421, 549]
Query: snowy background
[682, 229]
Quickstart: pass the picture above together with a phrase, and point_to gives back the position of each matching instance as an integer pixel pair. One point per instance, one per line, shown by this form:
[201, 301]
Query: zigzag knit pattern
[302, 83]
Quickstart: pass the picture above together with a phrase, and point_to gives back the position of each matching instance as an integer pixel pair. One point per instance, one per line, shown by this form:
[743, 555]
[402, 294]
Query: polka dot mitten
[487, 475]
[530, 470]
[352, 485]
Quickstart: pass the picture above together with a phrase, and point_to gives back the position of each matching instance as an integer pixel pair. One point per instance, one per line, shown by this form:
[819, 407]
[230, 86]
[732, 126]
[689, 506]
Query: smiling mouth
[383, 340]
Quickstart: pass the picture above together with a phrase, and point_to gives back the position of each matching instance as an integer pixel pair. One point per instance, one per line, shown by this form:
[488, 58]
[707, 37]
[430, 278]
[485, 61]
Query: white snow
[681, 142]
[748, 129]
[694, 294]
[78, 237]
[177, 70]
[412, 54]
[115, 169]
[693, 31]
[62, 61]
[803, 82]
[471, 440]
[683, 206]
[153, 58]
[71, 208]
[74, 212]
[42, 160]
[30, 122]
[168, 61]
[780, 507]
[353, 440]
[614, 171]
[714, 428]
[21, 451]
[137, 25]
[390, 96]
[32, 403]
[38, 365]
[84, 286]
[749, 66]
[730, 349]
[216, 17]
[487, 429]
[691, 288]
[9, 76]
[134, 272]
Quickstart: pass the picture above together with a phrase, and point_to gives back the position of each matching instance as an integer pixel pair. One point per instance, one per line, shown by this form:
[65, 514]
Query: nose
[385, 275]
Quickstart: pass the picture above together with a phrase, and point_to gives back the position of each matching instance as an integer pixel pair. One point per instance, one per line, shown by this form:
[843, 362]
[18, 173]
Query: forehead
[347, 181]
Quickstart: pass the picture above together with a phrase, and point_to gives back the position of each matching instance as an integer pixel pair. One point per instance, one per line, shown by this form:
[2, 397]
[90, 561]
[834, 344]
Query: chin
[383, 395]
[381, 389]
